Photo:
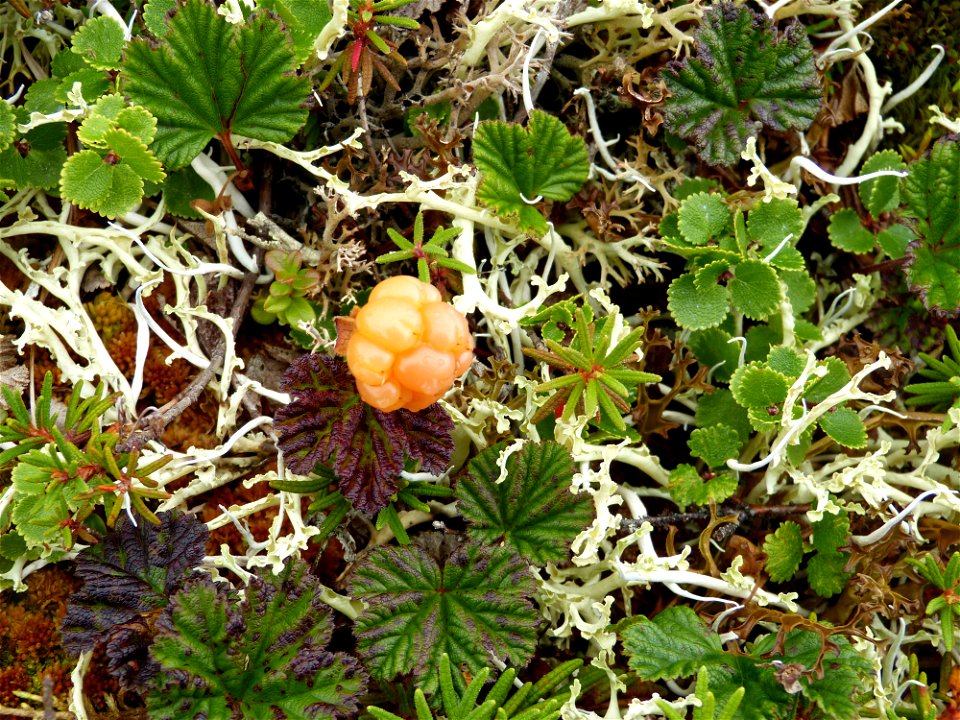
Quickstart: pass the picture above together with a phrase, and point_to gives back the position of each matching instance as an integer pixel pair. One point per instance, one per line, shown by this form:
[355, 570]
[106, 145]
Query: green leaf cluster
[554, 321]
[520, 167]
[304, 19]
[880, 197]
[62, 475]
[745, 76]
[597, 380]
[208, 78]
[689, 487]
[919, 225]
[286, 300]
[677, 643]
[826, 572]
[440, 595]
[429, 254]
[108, 176]
[262, 657]
[539, 701]
[735, 264]
[36, 158]
[761, 387]
[532, 508]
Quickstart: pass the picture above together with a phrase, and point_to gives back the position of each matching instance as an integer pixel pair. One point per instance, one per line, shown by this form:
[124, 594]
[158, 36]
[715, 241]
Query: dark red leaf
[328, 424]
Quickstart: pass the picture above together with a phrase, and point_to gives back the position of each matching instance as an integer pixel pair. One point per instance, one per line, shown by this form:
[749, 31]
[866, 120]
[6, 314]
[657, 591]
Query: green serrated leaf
[703, 217]
[688, 488]
[673, 644]
[533, 508]
[711, 274]
[881, 194]
[210, 78]
[836, 377]
[934, 275]
[691, 186]
[784, 551]
[786, 361]
[745, 76]
[835, 690]
[521, 165]
[895, 239]
[12, 546]
[755, 289]
[92, 182]
[305, 20]
[770, 223]
[155, 16]
[695, 309]
[36, 160]
[39, 518]
[112, 112]
[826, 575]
[8, 125]
[846, 232]
[438, 596]
[831, 532]
[800, 288]
[102, 117]
[92, 84]
[258, 658]
[720, 407]
[713, 349]
[845, 427]
[756, 386]
[132, 152]
[100, 42]
[42, 95]
[138, 122]
[932, 195]
[715, 444]
[48, 491]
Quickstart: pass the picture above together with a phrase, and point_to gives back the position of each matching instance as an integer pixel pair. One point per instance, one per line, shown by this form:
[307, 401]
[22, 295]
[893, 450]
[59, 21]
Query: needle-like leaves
[597, 382]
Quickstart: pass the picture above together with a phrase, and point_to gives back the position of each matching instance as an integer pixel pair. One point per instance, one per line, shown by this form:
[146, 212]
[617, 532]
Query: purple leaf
[328, 424]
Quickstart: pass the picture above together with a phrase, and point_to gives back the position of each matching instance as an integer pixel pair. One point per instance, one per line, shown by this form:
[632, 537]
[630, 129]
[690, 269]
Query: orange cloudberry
[407, 346]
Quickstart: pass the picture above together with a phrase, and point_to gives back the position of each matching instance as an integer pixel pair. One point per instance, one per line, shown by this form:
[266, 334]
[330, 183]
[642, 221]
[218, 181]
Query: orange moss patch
[30, 643]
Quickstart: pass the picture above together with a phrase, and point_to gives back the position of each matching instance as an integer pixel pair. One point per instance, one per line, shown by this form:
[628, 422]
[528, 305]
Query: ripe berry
[407, 346]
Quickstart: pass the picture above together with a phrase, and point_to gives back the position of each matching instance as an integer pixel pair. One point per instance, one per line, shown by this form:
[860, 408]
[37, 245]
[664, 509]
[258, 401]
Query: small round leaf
[755, 289]
[100, 42]
[695, 309]
[703, 217]
[845, 427]
[757, 386]
[91, 182]
[846, 232]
